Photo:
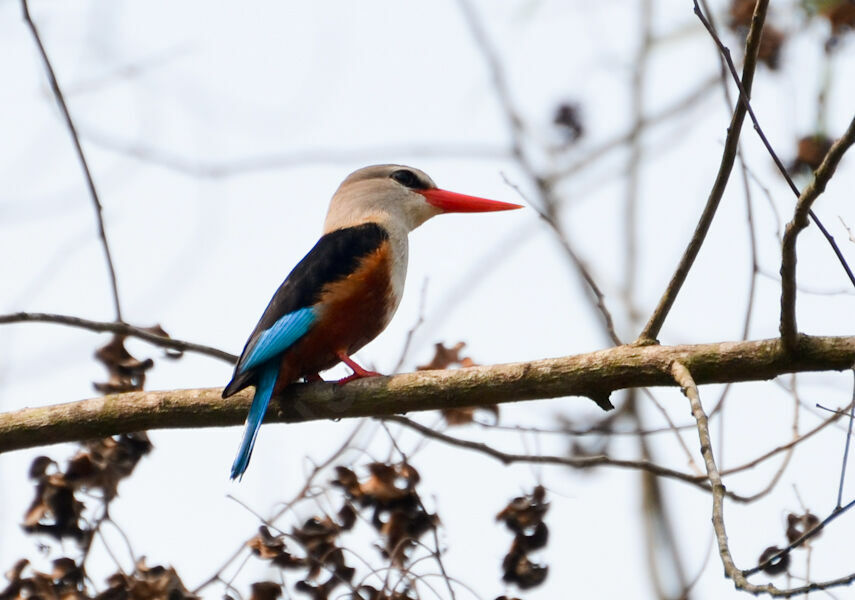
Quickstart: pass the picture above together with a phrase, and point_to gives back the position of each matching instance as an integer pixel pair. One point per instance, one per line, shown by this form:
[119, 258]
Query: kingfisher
[345, 290]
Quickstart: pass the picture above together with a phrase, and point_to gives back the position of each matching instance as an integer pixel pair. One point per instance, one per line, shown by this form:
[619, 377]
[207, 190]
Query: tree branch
[683, 376]
[576, 462]
[731, 143]
[594, 375]
[822, 175]
[90, 183]
[119, 329]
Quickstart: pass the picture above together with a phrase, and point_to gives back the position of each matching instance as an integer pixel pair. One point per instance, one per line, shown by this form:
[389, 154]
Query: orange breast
[351, 312]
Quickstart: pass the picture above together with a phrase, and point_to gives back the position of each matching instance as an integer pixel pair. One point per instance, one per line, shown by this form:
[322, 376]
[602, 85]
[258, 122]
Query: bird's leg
[358, 372]
[313, 378]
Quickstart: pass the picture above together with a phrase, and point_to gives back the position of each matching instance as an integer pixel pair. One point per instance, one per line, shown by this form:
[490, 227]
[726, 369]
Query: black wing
[335, 256]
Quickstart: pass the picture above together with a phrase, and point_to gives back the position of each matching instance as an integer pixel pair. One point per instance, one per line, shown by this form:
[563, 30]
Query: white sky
[368, 82]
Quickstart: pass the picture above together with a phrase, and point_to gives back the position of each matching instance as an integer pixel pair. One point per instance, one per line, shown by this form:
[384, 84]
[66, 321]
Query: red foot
[358, 372]
[313, 378]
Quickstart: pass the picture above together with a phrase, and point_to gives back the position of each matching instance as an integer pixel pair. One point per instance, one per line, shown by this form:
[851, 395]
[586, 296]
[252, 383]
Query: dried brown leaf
[126, 373]
[741, 12]
[156, 329]
[811, 151]
[777, 566]
[841, 15]
[771, 41]
[798, 525]
[347, 480]
[266, 546]
[388, 482]
[39, 466]
[265, 590]
[520, 570]
[525, 512]
[444, 358]
[54, 510]
[568, 118]
[466, 414]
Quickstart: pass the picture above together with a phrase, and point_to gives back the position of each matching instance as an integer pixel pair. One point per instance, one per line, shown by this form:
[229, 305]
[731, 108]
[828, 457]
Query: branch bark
[594, 375]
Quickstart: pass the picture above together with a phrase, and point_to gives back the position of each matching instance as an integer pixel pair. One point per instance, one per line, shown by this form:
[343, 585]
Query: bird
[344, 292]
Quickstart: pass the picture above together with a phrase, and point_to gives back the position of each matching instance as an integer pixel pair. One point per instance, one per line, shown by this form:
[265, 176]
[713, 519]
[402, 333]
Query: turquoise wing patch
[281, 335]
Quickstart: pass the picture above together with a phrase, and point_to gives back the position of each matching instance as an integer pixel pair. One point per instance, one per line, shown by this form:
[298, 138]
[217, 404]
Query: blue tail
[263, 390]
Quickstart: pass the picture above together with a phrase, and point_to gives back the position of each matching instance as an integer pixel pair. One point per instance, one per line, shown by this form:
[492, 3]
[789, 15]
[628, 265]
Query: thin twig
[636, 150]
[779, 472]
[301, 494]
[598, 152]
[584, 462]
[657, 319]
[408, 340]
[690, 460]
[846, 449]
[90, 183]
[119, 329]
[547, 205]
[807, 535]
[437, 553]
[596, 294]
[249, 165]
[788, 323]
[744, 97]
[602, 429]
[783, 447]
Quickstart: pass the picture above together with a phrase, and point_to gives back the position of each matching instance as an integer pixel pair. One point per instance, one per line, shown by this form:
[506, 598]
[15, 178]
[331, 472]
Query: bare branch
[582, 462]
[90, 183]
[821, 178]
[548, 204]
[594, 375]
[684, 377]
[662, 115]
[277, 161]
[846, 449]
[798, 439]
[810, 533]
[744, 98]
[657, 319]
[120, 329]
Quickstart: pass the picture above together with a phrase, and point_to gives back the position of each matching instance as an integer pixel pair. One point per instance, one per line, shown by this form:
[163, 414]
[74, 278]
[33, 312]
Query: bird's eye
[408, 179]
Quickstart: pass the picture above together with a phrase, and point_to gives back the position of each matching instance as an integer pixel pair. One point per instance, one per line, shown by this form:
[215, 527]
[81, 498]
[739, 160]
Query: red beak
[454, 202]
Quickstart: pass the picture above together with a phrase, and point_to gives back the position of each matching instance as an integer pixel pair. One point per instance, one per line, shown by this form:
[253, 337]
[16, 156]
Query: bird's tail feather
[263, 391]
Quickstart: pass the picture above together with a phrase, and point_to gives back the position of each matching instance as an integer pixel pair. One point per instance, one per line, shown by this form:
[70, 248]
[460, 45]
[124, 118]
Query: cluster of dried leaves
[322, 556]
[59, 511]
[797, 526]
[524, 517]
[97, 468]
[66, 581]
[448, 358]
[396, 512]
